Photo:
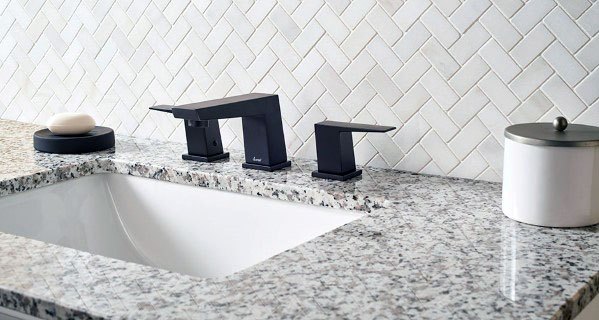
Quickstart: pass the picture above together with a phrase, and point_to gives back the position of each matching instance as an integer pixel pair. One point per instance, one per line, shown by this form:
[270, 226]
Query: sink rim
[358, 213]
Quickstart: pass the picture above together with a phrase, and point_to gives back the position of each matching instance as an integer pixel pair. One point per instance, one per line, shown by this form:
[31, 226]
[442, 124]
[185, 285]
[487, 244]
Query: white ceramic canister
[551, 174]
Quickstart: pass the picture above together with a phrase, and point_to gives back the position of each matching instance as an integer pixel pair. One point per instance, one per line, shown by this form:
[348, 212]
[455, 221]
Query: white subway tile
[260, 10]
[468, 12]
[439, 58]
[364, 152]
[532, 109]
[469, 43]
[289, 109]
[590, 116]
[468, 106]
[492, 151]
[358, 69]
[531, 14]
[410, 12]
[308, 67]
[284, 51]
[589, 22]
[332, 53]
[411, 102]
[216, 10]
[384, 26]
[358, 39]
[568, 33]
[574, 8]
[240, 75]
[499, 93]
[471, 167]
[335, 85]
[331, 108]
[501, 29]
[588, 55]
[470, 74]
[284, 23]
[305, 126]
[532, 45]
[386, 148]
[384, 55]
[411, 133]
[564, 64]
[494, 121]
[440, 27]
[531, 78]
[358, 98]
[354, 13]
[217, 37]
[332, 24]
[262, 65]
[587, 89]
[440, 153]
[306, 11]
[411, 72]
[414, 161]
[239, 22]
[508, 7]
[468, 138]
[308, 38]
[439, 120]
[439, 89]
[381, 112]
[411, 41]
[384, 85]
[242, 52]
[447, 6]
[219, 62]
[501, 63]
[285, 79]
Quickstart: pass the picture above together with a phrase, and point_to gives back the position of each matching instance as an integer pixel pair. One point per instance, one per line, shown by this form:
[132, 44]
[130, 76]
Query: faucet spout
[204, 143]
[247, 105]
[260, 113]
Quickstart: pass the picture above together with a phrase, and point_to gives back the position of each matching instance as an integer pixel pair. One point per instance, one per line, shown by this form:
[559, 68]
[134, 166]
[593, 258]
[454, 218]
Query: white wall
[450, 74]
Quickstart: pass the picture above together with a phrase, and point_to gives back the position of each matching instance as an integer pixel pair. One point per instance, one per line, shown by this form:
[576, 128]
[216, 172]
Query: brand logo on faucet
[256, 159]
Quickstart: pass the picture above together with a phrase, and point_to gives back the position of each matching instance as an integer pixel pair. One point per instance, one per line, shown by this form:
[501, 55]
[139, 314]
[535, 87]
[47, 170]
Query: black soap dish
[100, 138]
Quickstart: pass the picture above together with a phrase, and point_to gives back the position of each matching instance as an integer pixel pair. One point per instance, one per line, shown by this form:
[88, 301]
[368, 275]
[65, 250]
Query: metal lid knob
[560, 123]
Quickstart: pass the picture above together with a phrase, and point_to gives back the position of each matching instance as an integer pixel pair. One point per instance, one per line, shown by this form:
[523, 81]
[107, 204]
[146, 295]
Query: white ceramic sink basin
[196, 231]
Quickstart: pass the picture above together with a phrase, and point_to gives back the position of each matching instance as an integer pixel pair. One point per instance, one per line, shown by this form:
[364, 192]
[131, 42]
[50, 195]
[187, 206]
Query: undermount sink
[197, 231]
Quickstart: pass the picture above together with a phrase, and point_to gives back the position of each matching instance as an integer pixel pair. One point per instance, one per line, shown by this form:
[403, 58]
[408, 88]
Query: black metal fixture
[260, 114]
[335, 148]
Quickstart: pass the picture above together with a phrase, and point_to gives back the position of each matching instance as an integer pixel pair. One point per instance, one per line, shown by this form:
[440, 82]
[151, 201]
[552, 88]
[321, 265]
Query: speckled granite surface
[428, 248]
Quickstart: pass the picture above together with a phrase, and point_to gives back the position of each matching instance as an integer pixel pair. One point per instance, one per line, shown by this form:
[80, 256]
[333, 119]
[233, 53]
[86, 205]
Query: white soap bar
[70, 123]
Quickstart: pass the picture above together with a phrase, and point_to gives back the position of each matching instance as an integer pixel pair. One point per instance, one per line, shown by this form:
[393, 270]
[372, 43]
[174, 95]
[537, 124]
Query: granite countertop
[427, 247]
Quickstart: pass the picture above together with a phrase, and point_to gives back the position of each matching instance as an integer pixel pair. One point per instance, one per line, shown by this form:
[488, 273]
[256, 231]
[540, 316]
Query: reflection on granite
[429, 247]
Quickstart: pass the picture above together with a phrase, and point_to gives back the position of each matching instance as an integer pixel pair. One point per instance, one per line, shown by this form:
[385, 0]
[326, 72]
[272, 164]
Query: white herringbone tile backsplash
[450, 74]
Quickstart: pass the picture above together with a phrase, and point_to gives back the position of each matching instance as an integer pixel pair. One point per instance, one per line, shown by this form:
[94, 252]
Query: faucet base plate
[266, 168]
[339, 177]
[205, 159]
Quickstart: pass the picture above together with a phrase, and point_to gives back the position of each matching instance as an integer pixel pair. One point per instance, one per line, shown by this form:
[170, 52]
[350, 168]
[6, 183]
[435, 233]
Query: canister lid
[556, 134]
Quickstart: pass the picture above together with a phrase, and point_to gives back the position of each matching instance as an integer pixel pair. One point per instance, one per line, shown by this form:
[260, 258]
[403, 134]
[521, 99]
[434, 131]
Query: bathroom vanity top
[426, 247]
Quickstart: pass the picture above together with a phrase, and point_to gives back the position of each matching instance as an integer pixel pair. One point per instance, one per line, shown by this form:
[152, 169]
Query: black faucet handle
[163, 108]
[353, 127]
[335, 148]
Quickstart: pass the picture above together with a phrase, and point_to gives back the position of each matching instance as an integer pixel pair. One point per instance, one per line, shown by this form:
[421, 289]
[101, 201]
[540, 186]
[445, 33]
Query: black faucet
[260, 114]
[335, 148]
